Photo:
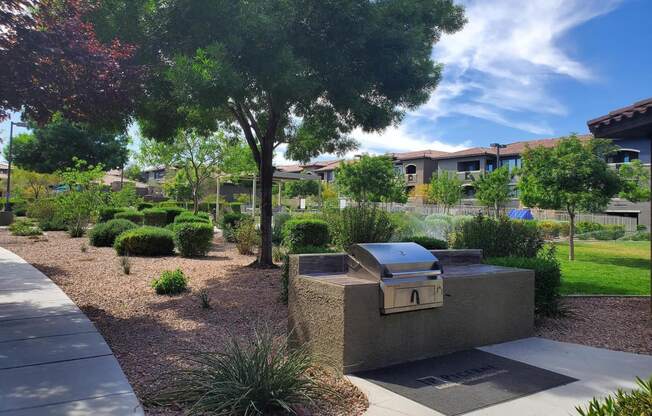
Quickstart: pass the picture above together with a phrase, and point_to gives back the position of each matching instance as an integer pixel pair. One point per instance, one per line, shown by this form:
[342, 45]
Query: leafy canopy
[371, 179]
[492, 189]
[445, 189]
[635, 181]
[54, 146]
[301, 188]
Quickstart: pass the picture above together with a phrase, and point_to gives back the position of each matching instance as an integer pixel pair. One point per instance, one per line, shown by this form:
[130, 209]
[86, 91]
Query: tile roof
[615, 116]
[330, 166]
[419, 154]
[290, 168]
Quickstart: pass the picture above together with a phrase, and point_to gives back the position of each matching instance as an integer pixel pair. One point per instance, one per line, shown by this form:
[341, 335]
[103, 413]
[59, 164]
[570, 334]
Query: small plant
[193, 239]
[125, 263]
[25, 228]
[83, 248]
[229, 223]
[635, 403]
[170, 283]
[145, 241]
[262, 376]
[278, 253]
[205, 299]
[246, 237]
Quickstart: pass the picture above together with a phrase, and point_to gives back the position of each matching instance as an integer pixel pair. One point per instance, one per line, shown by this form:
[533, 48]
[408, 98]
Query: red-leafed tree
[53, 62]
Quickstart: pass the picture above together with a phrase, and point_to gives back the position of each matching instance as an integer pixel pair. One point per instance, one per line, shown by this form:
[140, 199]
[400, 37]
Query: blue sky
[521, 70]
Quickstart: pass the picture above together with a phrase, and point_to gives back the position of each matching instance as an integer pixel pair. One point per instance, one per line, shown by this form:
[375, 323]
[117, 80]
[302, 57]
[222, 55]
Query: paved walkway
[599, 373]
[52, 359]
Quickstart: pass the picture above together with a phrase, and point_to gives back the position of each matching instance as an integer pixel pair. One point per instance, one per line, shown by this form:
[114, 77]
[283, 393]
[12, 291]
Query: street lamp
[9, 157]
[498, 146]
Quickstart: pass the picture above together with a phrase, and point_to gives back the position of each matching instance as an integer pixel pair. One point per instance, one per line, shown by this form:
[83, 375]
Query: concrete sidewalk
[599, 372]
[52, 359]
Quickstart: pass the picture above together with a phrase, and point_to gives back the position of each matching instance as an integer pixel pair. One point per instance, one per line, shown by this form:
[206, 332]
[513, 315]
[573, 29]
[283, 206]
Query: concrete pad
[599, 372]
[19, 329]
[121, 404]
[52, 349]
[48, 384]
[34, 309]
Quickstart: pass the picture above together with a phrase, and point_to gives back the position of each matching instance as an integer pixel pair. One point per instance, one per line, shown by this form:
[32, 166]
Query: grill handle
[414, 273]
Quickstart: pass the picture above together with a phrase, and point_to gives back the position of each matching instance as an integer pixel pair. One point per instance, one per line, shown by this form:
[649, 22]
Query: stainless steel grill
[409, 275]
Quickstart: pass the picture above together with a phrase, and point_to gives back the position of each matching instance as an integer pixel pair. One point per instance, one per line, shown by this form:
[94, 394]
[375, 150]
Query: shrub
[305, 232]
[47, 212]
[246, 237]
[145, 205]
[583, 227]
[498, 237]
[172, 212]
[190, 217]
[203, 215]
[549, 229]
[229, 223]
[170, 283]
[261, 376]
[607, 233]
[637, 402]
[429, 242]
[236, 207]
[641, 227]
[125, 264]
[156, 217]
[278, 221]
[108, 213]
[18, 206]
[134, 216]
[145, 241]
[24, 228]
[193, 238]
[105, 233]
[547, 278]
[361, 224]
[637, 236]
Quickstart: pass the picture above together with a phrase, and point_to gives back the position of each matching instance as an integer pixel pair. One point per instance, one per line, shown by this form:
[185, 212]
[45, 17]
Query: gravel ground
[616, 323]
[148, 333]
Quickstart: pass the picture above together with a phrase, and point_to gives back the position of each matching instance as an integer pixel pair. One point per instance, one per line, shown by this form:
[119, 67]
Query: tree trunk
[195, 200]
[496, 209]
[266, 179]
[571, 236]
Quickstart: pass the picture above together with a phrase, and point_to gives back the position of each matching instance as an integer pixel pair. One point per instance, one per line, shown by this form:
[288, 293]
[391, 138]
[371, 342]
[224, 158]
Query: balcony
[468, 175]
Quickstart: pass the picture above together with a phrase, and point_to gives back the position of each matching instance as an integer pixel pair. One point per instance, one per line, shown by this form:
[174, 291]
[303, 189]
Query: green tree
[572, 176]
[635, 179]
[30, 184]
[370, 179]
[177, 186]
[133, 172]
[303, 73]
[52, 147]
[301, 188]
[445, 189]
[492, 189]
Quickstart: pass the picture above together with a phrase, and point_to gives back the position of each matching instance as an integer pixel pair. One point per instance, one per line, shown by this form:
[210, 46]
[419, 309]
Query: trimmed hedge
[193, 238]
[108, 213]
[172, 213]
[145, 241]
[429, 242]
[131, 215]
[305, 232]
[190, 217]
[547, 279]
[156, 217]
[498, 237]
[105, 233]
[145, 205]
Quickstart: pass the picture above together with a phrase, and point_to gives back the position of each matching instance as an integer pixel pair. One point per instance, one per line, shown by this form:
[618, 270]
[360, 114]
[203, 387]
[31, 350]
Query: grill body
[408, 275]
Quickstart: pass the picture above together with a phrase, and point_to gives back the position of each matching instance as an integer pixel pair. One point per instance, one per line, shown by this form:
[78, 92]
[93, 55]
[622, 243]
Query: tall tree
[370, 179]
[635, 181]
[445, 189]
[304, 73]
[572, 176]
[53, 62]
[30, 184]
[492, 189]
[54, 146]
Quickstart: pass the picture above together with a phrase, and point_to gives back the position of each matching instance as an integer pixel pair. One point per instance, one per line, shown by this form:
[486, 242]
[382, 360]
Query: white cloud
[499, 66]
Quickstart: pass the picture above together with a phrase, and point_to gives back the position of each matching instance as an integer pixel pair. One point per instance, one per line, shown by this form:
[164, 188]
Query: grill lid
[395, 260]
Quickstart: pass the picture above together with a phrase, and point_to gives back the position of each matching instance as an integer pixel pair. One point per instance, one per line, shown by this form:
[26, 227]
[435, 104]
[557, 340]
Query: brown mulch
[616, 323]
[148, 333]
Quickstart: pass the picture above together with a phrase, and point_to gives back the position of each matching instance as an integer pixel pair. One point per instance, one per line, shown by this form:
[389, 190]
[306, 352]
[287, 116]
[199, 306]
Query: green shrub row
[105, 233]
[305, 232]
[132, 215]
[145, 241]
[637, 236]
[498, 237]
[429, 242]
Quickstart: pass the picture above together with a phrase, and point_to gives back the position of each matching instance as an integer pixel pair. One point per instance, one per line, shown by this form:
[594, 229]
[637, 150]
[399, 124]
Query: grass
[606, 267]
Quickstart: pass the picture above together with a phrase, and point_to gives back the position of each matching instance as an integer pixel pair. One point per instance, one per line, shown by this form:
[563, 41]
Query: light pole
[9, 157]
[498, 146]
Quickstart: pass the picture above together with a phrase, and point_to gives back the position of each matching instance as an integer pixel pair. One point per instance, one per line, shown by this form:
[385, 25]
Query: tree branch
[251, 140]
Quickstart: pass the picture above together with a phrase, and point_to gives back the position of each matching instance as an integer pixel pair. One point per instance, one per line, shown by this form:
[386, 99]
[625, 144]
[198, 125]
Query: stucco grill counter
[386, 304]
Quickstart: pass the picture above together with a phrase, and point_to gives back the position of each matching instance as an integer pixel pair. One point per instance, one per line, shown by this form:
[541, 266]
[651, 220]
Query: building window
[468, 166]
[410, 170]
[511, 163]
[623, 156]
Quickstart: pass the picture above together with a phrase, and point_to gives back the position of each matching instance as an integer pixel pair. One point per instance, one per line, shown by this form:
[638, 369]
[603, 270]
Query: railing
[468, 175]
[540, 214]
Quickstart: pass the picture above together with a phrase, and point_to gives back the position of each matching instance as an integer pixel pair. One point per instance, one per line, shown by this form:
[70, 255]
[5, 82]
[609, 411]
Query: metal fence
[540, 214]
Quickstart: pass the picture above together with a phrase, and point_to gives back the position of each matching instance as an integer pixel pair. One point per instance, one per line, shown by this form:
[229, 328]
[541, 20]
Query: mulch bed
[148, 333]
[616, 323]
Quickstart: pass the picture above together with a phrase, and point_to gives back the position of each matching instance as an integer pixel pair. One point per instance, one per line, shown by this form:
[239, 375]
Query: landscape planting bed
[149, 333]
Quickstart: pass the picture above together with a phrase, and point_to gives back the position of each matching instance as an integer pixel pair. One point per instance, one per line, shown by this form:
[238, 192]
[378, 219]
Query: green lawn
[606, 267]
